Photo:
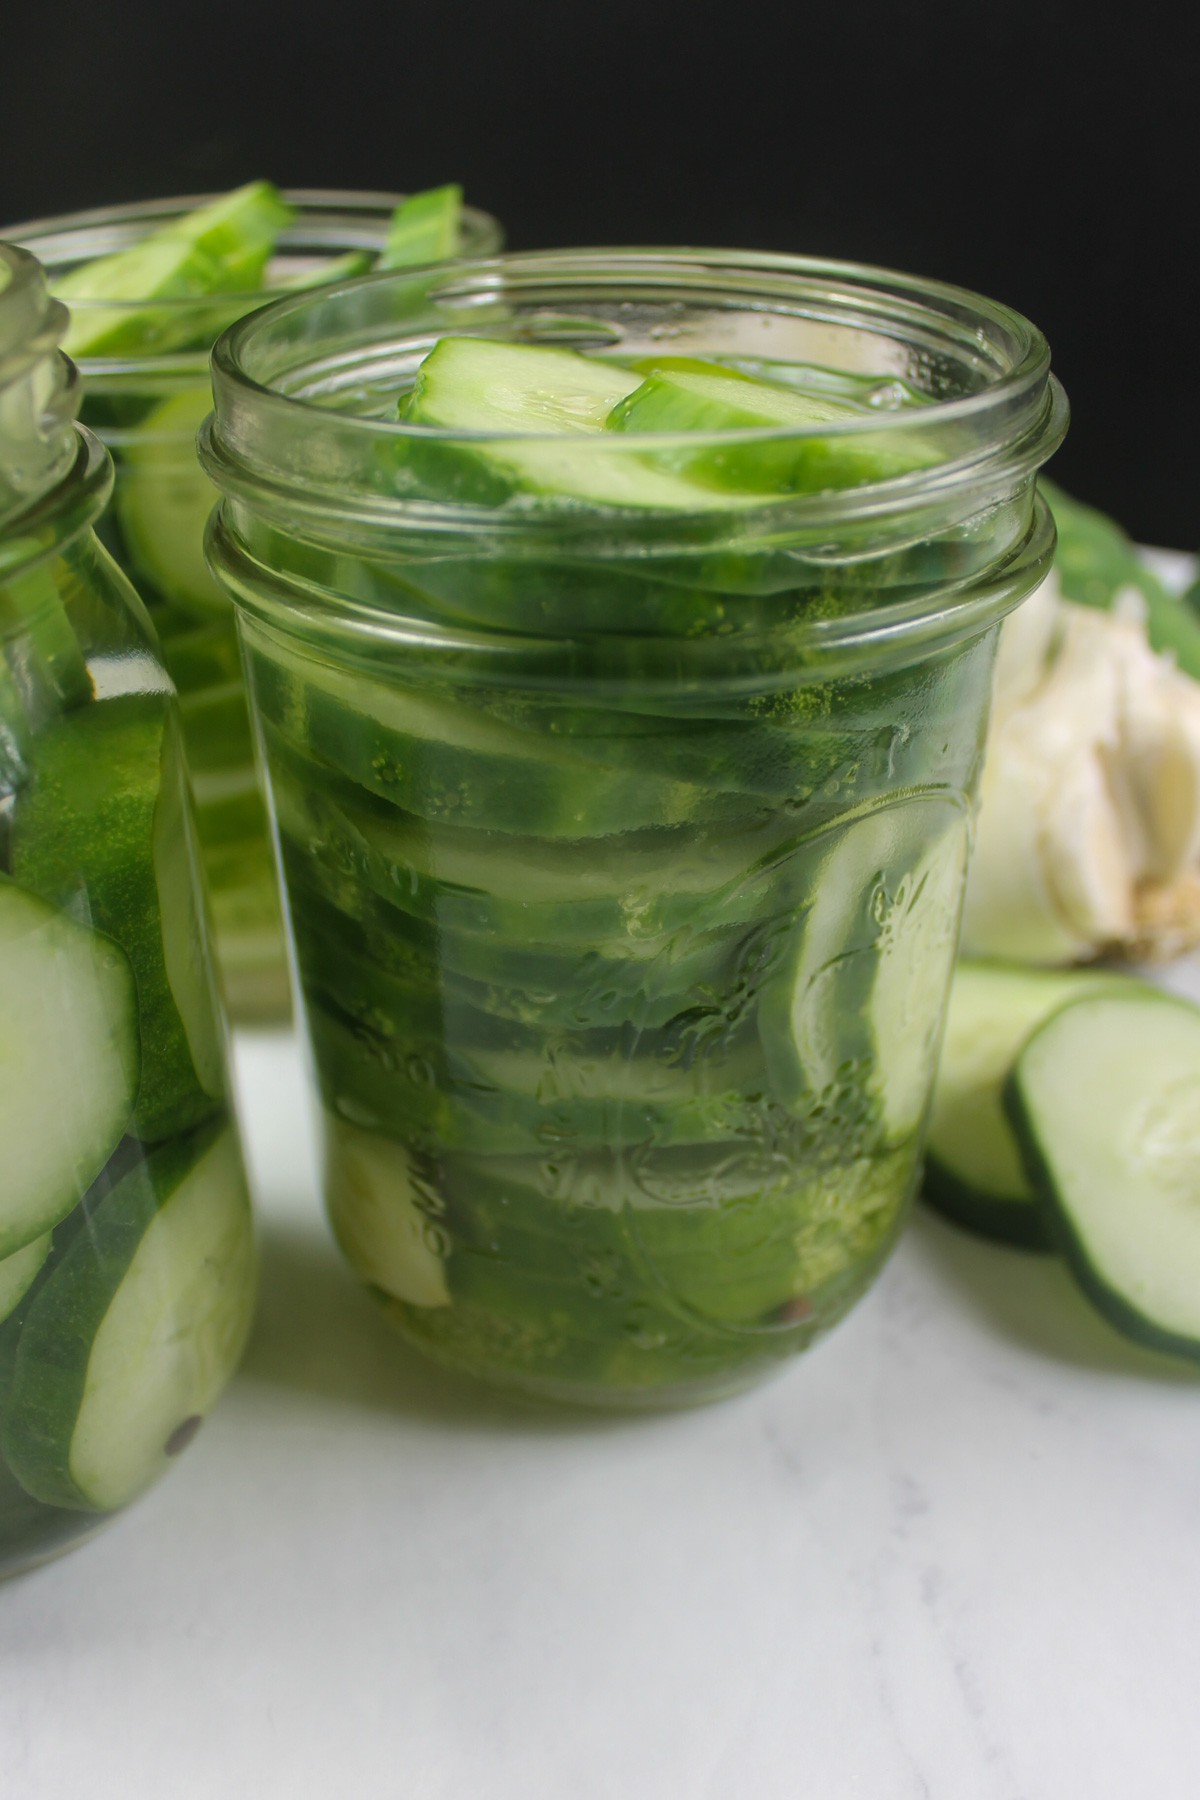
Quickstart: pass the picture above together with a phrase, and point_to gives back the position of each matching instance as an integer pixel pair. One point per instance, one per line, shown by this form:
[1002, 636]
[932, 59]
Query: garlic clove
[1009, 909]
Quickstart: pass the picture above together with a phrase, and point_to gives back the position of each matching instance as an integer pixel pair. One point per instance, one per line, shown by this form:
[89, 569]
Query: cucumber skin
[1016, 1222]
[58, 1329]
[57, 826]
[1063, 1237]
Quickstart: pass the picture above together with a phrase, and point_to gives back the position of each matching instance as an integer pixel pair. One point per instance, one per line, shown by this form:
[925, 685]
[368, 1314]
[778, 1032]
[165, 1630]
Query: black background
[1038, 152]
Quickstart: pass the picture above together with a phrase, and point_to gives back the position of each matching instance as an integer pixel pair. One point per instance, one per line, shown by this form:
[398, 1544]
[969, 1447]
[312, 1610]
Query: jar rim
[1000, 432]
[329, 219]
[31, 322]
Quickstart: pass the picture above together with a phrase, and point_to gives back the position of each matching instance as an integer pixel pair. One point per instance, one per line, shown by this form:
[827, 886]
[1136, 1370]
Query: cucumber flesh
[722, 399]
[128, 1343]
[853, 1013]
[69, 1061]
[482, 385]
[973, 1169]
[324, 273]
[19, 1271]
[221, 247]
[163, 499]
[103, 825]
[375, 1208]
[1105, 1099]
[424, 228]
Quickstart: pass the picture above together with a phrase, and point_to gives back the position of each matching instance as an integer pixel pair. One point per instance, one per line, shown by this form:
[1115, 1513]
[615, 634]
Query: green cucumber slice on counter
[131, 1338]
[69, 1061]
[1105, 1101]
[870, 953]
[19, 1271]
[163, 499]
[103, 827]
[973, 1169]
[424, 228]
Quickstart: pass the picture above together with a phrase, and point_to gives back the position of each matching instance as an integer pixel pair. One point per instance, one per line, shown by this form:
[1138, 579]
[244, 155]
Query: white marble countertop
[952, 1553]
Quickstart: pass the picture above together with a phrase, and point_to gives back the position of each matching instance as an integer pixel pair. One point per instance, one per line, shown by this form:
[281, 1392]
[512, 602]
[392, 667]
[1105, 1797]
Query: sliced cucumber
[103, 828]
[163, 499]
[539, 890]
[380, 1215]
[720, 399]
[69, 1061]
[324, 273]
[19, 1270]
[157, 269]
[448, 759]
[128, 1343]
[220, 247]
[1105, 1100]
[853, 1014]
[482, 385]
[973, 1170]
[424, 228]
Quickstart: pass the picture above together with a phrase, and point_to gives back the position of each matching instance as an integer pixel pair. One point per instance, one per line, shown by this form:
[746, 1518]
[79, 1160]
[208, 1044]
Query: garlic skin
[1088, 834]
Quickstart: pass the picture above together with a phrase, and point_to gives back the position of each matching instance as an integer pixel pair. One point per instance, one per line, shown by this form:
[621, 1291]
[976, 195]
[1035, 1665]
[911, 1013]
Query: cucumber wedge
[1105, 1101]
[103, 828]
[973, 1170]
[128, 1343]
[481, 385]
[69, 1061]
[718, 399]
[221, 247]
[163, 499]
[424, 228]
[19, 1271]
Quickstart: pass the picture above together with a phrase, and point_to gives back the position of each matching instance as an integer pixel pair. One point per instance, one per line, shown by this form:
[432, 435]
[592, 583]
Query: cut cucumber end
[1105, 1101]
[128, 1343]
[69, 1061]
[974, 1172]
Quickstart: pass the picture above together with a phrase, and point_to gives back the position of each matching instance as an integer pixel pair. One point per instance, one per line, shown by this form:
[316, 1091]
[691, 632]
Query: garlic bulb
[1088, 837]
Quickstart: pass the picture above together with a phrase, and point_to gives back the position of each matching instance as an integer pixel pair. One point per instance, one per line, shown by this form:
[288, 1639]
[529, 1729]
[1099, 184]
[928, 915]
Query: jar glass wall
[623, 811]
[126, 1247]
[144, 397]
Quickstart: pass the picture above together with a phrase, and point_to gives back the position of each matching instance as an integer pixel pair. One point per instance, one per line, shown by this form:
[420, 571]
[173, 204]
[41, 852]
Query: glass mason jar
[624, 842]
[126, 1249]
[145, 405]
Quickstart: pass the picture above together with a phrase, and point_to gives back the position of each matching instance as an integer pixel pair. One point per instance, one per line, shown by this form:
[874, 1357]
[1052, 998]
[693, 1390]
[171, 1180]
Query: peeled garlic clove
[1010, 909]
[1049, 879]
[1027, 639]
[1084, 852]
[1159, 760]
